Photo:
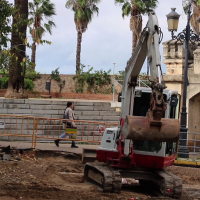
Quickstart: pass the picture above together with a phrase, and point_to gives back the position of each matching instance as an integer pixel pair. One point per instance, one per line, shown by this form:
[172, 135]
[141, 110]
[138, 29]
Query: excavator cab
[140, 108]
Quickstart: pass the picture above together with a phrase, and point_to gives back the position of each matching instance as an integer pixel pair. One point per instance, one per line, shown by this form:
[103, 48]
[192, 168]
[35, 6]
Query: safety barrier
[189, 149]
[113, 125]
[17, 126]
[52, 128]
[14, 126]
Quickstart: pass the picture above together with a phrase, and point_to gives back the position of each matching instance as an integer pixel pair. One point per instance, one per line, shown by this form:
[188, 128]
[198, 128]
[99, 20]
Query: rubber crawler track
[112, 180]
[171, 182]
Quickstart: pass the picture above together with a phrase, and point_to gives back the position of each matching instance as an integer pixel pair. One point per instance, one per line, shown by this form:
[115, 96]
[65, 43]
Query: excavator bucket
[140, 128]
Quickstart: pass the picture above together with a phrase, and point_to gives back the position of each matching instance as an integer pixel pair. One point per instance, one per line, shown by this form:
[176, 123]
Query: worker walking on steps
[68, 114]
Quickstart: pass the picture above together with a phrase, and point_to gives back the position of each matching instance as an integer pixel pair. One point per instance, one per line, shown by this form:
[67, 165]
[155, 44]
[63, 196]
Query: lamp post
[185, 36]
[88, 67]
[114, 68]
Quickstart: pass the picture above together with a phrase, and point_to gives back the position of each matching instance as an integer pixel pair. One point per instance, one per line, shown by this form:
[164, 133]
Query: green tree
[40, 21]
[83, 13]
[6, 11]
[4, 60]
[135, 9]
[18, 51]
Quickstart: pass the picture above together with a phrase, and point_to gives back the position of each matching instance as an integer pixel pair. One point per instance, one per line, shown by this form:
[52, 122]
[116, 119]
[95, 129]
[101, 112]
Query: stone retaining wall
[69, 87]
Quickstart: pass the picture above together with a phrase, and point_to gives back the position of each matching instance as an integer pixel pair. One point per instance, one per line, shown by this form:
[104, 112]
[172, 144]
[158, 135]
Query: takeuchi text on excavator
[145, 142]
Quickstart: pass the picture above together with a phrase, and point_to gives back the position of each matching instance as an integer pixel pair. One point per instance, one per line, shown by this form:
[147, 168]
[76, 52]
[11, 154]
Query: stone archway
[194, 118]
[174, 54]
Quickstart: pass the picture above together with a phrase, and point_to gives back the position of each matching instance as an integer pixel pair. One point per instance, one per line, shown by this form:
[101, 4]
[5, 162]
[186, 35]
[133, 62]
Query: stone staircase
[49, 108]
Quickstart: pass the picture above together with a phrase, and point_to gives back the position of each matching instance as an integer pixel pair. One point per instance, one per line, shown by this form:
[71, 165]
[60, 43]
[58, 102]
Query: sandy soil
[59, 177]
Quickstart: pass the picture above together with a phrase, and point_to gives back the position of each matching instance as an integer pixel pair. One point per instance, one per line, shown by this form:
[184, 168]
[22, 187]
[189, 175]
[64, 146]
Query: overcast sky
[107, 40]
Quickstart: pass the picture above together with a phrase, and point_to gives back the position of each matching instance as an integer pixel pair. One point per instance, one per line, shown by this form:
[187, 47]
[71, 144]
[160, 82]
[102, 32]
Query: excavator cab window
[150, 146]
[171, 147]
[174, 107]
[141, 106]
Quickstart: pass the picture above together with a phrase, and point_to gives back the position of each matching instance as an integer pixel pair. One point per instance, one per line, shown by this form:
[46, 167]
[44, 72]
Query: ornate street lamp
[172, 20]
[185, 36]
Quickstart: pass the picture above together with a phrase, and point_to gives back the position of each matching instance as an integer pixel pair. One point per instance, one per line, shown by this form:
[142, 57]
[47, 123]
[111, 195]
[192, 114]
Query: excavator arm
[116, 155]
[152, 127]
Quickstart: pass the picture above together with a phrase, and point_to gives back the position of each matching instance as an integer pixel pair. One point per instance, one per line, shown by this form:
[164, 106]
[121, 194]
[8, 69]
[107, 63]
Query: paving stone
[104, 108]
[110, 118]
[3, 111]
[19, 111]
[84, 103]
[14, 101]
[38, 102]
[93, 113]
[60, 107]
[83, 108]
[109, 113]
[20, 106]
[87, 117]
[43, 112]
[63, 103]
[42, 107]
[104, 104]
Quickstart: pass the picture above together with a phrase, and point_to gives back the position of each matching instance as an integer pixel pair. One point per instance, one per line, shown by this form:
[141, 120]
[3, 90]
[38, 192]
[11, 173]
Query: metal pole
[195, 138]
[50, 88]
[183, 150]
[114, 89]
[139, 81]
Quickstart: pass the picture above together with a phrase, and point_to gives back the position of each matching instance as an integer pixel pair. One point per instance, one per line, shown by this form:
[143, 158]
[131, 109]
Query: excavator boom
[153, 127]
[142, 146]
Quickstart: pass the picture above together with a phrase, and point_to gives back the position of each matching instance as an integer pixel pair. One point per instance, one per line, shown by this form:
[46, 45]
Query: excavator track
[172, 183]
[111, 179]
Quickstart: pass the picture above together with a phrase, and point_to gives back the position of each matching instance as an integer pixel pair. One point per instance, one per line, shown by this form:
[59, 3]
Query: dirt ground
[56, 176]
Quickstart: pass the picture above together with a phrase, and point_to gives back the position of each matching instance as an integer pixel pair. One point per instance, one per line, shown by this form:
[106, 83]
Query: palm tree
[194, 17]
[83, 13]
[135, 9]
[18, 52]
[6, 11]
[40, 21]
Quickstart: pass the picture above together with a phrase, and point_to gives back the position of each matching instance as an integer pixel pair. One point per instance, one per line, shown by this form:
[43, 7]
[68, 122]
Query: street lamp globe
[173, 19]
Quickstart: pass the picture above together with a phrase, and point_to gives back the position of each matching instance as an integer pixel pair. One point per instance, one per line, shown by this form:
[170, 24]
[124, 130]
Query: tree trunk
[18, 50]
[135, 25]
[33, 54]
[78, 52]
[194, 18]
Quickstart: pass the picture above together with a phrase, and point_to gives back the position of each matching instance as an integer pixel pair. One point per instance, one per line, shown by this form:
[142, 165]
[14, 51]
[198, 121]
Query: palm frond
[144, 6]
[126, 9]
[120, 1]
[83, 12]
[30, 21]
[41, 12]
[40, 31]
[48, 28]
[51, 23]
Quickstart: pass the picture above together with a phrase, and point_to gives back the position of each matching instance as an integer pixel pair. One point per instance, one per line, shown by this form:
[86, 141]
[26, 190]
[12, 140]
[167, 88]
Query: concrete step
[101, 112]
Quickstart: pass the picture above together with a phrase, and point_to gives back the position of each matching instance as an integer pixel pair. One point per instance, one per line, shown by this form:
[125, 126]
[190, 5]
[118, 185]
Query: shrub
[55, 74]
[4, 82]
[28, 84]
[95, 82]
